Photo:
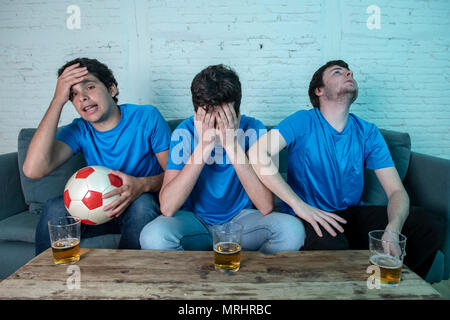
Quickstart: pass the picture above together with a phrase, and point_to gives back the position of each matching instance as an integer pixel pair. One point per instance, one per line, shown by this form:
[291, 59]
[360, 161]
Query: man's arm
[45, 153]
[133, 187]
[261, 154]
[259, 194]
[178, 184]
[154, 183]
[398, 200]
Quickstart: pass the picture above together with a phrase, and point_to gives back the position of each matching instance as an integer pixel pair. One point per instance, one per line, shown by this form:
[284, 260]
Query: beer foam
[386, 261]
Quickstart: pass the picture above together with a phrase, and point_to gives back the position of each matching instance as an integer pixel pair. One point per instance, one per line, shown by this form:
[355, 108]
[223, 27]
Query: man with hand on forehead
[209, 180]
[131, 140]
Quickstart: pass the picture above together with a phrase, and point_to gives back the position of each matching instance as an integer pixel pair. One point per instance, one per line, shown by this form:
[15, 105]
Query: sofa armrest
[428, 185]
[11, 196]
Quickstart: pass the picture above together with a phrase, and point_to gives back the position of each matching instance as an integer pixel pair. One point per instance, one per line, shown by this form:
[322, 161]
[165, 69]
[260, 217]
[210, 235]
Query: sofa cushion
[38, 191]
[173, 124]
[19, 227]
[399, 144]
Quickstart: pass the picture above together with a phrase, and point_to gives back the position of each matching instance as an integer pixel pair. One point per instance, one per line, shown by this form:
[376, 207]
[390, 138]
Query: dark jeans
[424, 232]
[130, 223]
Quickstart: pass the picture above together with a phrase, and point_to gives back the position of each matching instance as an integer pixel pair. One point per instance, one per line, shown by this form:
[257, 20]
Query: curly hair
[317, 80]
[214, 86]
[97, 69]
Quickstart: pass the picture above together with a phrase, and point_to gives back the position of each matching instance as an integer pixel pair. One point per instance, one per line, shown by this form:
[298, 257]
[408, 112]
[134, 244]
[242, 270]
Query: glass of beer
[387, 250]
[65, 239]
[227, 247]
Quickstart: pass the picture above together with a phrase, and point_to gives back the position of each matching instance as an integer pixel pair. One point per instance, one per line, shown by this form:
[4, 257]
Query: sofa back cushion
[399, 144]
[38, 191]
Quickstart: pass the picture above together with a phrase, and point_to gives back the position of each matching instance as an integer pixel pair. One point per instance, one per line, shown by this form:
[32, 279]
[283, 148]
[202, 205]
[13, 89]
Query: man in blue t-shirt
[209, 180]
[329, 147]
[131, 140]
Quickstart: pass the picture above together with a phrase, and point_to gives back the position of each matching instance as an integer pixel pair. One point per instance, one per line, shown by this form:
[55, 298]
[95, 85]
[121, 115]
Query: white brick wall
[155, 48]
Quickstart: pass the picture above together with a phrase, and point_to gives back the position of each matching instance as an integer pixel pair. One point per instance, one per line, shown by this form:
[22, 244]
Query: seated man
[328, 150]
[132, 140]
[209, 180]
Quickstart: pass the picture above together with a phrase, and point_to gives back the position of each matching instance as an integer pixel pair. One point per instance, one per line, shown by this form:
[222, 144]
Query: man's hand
[205, 126]
[318, 217]
[70, 76]
[390, 242]
[131, 189]
[227, 124]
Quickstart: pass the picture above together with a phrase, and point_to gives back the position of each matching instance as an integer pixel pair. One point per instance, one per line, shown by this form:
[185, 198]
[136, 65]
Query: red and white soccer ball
[83, 194]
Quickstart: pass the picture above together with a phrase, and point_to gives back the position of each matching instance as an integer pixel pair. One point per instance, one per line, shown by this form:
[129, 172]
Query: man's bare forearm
[39, 161]
[268, 173]
[175, 192]
[398, 210]
[258, 193]
[152, 183]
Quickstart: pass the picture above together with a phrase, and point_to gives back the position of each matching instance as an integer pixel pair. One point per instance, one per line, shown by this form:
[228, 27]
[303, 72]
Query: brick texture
[155, 48]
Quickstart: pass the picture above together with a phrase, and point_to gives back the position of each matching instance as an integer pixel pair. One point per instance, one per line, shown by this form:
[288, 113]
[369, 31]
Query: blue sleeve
[292, 127]
[160, 132]
[70, 135]
[180, 148]
[377, 154]
[254, 131]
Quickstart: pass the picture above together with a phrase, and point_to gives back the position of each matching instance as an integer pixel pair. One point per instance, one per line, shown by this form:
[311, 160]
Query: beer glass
[227, 247]
[65, 239]
[387, 250]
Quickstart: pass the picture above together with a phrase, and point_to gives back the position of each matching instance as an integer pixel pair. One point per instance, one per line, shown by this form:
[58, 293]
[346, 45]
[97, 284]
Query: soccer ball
[83, 194]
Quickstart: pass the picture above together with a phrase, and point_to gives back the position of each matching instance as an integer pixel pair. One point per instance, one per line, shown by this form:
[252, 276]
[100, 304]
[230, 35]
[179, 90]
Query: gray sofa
[426, 179]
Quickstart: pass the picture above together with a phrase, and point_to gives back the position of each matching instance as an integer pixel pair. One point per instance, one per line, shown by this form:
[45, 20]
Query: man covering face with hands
[209, 180]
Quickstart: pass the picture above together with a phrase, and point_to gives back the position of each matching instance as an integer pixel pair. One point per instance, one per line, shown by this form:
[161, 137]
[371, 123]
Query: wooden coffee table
[136, 274]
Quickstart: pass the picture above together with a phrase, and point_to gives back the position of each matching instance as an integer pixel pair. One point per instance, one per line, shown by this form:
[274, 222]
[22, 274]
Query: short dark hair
[97, 69]
[317, 80]
[216, 85]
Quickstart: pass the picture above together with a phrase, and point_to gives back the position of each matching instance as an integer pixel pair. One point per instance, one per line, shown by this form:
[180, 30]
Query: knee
[295, 230]
[54, 208]
[291, 232]
[155, 236]
[144, 208]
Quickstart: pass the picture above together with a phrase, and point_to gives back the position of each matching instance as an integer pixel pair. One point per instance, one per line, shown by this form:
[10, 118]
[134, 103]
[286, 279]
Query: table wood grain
[139, 274]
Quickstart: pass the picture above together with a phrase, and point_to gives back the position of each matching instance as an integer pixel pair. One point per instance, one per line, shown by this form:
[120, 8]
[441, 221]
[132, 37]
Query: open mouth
[90, 109]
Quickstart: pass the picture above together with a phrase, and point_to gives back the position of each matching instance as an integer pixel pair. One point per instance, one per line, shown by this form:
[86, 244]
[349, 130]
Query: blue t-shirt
[326, 167]
[129, 147]
[218, 194]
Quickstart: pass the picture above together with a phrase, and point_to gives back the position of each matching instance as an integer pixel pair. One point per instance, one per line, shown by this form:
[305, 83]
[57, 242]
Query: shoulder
[299, 122]
[187, 124]
[146, 116]
[365, 127]
[139, 109]
[76, 124]
[251, 123]
[301, 117]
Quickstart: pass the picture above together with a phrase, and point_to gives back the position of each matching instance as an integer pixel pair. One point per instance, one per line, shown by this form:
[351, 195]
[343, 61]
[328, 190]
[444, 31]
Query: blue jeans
[130, 223]
[185, 231]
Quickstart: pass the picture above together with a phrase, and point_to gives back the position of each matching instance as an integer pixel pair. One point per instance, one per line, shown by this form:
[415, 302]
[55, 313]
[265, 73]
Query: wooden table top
[140, 274]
